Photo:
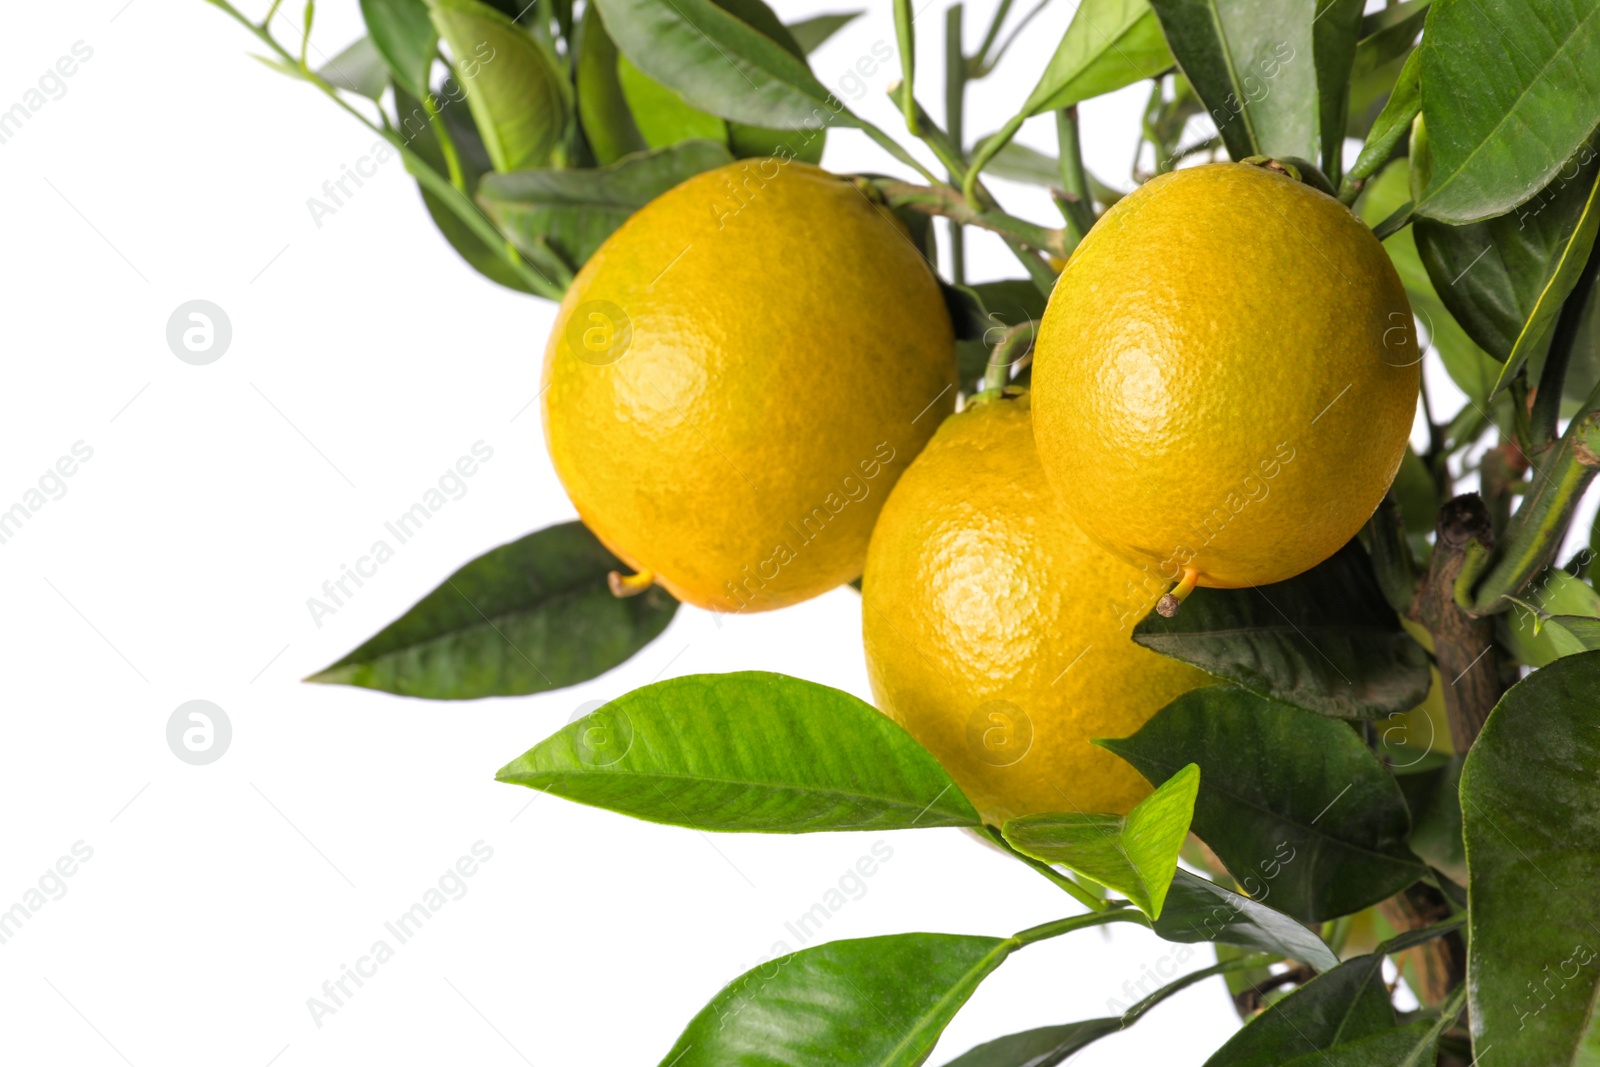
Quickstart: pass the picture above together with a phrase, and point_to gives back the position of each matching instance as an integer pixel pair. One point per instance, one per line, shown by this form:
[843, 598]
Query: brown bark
[1439, 965]
[1463, 644]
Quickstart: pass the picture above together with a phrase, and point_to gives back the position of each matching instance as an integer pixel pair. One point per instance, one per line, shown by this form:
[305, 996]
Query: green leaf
[358, 69]
[1584, 631]
[665, 115]
[1334, 34]
[1043, 1047]
[1393, 122]
[413, 124]
[720, 64]
[746, 752]
[1472, 369]
[1346, 1004]
[1510, 90]
[1405, 15]
[1388, 37]
[1531, 814]
[1412, 1045]
[1531, 629]
[1435, 803]
[527, 617]
[1253, 65]
[810, 33]
[661, 114]
[574, 211]
[1417, 495]
[404, 36]
[875, 1000]
[1326, 640]
[1197, 909]
[1108, 44]
[518, 95]
[1506, 279]
[1301, 811]
[602, 108]
[1135, 854]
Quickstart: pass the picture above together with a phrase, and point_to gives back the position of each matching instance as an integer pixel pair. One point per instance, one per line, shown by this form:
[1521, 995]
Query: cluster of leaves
[535, 130]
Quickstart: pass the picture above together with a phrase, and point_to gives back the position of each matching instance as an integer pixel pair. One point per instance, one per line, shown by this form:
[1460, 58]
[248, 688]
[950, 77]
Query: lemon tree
[1171, 545]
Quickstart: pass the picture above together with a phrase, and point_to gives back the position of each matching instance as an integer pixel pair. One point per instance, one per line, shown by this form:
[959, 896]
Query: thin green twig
[1083, 896]
[1045, 931]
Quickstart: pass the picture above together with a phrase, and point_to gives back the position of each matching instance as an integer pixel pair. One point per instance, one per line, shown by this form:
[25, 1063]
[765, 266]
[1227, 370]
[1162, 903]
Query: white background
[366, 357]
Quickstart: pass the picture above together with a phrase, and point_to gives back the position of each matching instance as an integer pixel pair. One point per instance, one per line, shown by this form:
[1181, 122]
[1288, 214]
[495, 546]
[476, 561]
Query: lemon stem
[1169, 604]
[1015, 343]
[631, 584]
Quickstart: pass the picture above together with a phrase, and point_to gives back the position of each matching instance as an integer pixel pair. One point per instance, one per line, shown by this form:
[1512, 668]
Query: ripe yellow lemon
[738, 376]
[998, 634]
[1225, 377]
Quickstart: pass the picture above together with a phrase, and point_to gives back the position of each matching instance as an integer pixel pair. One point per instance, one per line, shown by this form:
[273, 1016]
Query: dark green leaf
[359, 69]
[413, 124]
[1346, 1004]
[757, 15]
[1583, 364]
[967, 313]
[602, 108]
[749, 141]
[527, 617]
[1412, 1045]
[985, 311]
[518, 94]
[1200, 910]
[881, 1001]
[1334, 35]
[1417, 495]
[1253, 66]
[1505, 279]
[1301, 811]
[665, 116]
[1135, 854]
[1532, 821]
[1011, 301]
[1393, 123]
[1472, 369]
[575, 210]
[404, 36]
[1326, 640]
[1436, 818]
[746, 752]
[810, 33]
[1510, 91]
[1044, 1047]
[719, 63]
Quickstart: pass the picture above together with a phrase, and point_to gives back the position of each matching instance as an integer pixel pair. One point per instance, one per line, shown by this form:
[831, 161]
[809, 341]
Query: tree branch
[1463, 643]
